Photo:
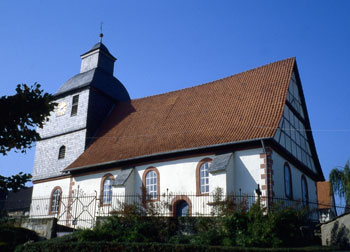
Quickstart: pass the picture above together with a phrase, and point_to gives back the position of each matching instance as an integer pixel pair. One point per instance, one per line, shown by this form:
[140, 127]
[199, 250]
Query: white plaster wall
[278, 178]
[248, 173]
[44, 189]
[178, 176]
[129, 184]
[90, 184]
[218, 179]
[230, 175]
[42, 193]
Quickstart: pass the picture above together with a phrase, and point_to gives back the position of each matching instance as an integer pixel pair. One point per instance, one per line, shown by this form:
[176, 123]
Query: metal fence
[83, 210]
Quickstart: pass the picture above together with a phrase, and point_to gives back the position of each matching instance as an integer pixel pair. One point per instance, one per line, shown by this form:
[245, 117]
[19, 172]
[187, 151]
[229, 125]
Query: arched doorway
[181, 206]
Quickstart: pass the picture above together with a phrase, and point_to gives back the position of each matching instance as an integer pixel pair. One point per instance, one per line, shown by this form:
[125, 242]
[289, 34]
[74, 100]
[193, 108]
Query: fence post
[76, 209]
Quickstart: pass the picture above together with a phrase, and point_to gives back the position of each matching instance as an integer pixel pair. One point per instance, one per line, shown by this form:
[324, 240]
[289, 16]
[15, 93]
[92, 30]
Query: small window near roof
[62, 152]
[75, 101]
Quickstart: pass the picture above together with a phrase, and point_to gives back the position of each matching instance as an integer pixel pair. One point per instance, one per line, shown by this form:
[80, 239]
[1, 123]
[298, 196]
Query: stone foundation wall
[337, 232]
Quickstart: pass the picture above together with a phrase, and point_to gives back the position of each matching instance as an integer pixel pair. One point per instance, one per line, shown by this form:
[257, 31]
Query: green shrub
[49, 246]
[235, 229]
[253, 228]
[258, 228]
[130, 229]
[10, 237]
[236, 225]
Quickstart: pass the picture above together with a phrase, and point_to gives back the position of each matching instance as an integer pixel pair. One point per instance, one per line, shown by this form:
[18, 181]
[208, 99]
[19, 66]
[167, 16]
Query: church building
[246, 133]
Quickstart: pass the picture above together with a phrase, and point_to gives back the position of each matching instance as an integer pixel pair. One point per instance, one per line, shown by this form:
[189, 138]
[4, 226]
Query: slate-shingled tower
[83, 103]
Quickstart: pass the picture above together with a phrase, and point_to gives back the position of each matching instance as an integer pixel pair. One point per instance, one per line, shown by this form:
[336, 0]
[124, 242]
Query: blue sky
[168, 45]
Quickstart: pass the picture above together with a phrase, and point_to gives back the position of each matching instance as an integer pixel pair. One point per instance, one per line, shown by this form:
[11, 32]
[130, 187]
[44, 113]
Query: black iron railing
[83, 210]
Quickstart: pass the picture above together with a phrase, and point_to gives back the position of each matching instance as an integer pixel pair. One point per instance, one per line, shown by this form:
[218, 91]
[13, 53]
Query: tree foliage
[20, 114]
[340, 181]
[14, 182]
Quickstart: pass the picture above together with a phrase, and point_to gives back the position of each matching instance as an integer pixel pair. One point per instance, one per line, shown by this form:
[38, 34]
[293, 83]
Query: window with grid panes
[107, 191]
[204, 177]
[151, 185]
[55, 201]
[75, 101]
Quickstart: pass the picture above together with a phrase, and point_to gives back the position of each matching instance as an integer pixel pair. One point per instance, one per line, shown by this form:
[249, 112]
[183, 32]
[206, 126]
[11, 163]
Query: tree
[14, 182]
[20, 114]
[340, 181]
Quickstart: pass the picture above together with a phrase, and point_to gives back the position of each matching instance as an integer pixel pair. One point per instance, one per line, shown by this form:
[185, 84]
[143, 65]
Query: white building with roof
[247, 131]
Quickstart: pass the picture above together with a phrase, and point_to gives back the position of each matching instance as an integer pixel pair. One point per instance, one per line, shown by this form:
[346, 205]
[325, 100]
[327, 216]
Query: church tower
[84, 101]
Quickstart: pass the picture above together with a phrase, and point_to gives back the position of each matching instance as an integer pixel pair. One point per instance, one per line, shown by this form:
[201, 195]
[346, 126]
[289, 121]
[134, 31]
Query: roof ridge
[224, 78]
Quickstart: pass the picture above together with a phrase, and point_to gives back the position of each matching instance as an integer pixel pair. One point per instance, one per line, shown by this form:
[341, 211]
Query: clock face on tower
[61, 108]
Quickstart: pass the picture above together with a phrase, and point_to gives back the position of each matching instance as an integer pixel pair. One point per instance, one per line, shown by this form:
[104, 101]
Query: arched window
[150, 181]
[202, 176]
[304, 191]
[55, 200]
[288, 189]
[106, 189]
[62, 152]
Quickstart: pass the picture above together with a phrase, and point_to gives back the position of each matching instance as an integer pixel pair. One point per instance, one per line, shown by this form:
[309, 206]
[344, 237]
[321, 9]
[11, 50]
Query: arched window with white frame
[150, 181]
[55, 200]
[106, 189]
[202, 177]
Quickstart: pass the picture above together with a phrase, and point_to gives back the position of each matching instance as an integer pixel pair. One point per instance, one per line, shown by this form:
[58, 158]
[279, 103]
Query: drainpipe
[268, 177]
[263, 146]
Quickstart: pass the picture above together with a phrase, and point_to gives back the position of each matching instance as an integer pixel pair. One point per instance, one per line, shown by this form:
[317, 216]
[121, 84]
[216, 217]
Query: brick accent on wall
[267, 175]
[70, 201]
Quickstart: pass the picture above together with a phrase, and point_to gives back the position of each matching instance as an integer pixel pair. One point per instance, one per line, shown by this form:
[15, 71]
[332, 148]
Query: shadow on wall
[340, 236]
[244, 183]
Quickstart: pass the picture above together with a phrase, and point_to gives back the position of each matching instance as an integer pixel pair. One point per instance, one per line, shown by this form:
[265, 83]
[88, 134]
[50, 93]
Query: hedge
[50, 246]
[10, 237]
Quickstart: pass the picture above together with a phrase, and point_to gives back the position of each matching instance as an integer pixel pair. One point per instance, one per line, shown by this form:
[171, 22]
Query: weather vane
[101, 34]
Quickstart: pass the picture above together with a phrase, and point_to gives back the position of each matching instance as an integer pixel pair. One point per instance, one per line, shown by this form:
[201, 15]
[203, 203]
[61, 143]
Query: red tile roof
[324, 197]
[244, 106]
